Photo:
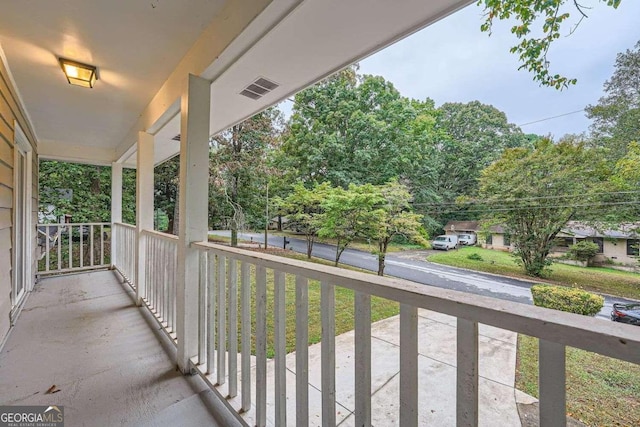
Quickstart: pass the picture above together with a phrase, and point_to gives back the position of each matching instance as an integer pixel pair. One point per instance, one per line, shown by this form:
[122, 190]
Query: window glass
[600, 242]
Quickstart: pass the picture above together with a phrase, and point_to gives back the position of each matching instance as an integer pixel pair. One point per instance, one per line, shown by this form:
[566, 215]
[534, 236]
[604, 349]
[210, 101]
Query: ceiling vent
[176, 138]
[259, 88]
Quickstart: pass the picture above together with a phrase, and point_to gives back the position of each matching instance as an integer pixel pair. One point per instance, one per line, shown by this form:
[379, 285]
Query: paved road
[422, 271]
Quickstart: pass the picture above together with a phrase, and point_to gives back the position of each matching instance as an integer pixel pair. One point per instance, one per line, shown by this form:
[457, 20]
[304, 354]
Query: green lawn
[380, 308]
[601, 391]
[596, 279]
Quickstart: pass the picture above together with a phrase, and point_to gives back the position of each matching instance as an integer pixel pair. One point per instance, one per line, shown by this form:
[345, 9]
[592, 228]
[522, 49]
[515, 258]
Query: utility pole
[266, 225]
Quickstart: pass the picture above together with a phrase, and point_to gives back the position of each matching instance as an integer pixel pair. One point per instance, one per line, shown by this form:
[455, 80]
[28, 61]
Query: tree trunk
[176, 214]
[339, 250]
[309, 246]
[381, 264]
[338, 253]
[234, 234]
[234, 222]
[382, 253]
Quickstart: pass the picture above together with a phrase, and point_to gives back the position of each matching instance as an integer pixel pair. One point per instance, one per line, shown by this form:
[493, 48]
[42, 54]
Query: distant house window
[633, 247]
[600, 242]
[489, 239]
[562, 243]
[506, 240]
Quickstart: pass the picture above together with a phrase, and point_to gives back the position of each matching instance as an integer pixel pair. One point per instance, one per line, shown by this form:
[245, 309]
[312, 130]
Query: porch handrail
[71, 247]
[161, 235]
[159, 289]
[611, 339]
[124, 254]
[224, 286]
[125, 225]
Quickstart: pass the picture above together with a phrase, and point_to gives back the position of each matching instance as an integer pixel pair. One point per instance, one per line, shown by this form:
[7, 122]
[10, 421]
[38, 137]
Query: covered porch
[83, 334]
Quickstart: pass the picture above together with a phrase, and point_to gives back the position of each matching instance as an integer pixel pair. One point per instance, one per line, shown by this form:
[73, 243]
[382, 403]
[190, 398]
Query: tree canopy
[87, 191]
[616, 116]
[537, 25]
[239, 169]
[535, 192]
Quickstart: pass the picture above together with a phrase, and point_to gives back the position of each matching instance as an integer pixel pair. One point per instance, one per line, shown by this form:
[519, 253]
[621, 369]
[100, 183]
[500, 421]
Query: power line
[551, 118]
[514, 208]
[567, 196]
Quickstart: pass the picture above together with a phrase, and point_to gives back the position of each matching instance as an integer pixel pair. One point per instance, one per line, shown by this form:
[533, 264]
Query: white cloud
[453, 61]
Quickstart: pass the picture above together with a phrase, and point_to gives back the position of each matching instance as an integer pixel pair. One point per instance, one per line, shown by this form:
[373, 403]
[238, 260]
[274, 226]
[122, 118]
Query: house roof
[475, 226]
[573, 229]
[462, 226]
[582, 230]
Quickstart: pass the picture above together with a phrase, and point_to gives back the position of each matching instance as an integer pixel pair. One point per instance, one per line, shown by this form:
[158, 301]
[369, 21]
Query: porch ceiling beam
[228, 25]
[55, 150]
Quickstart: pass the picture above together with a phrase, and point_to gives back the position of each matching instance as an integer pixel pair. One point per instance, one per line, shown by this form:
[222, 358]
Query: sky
[452, 61]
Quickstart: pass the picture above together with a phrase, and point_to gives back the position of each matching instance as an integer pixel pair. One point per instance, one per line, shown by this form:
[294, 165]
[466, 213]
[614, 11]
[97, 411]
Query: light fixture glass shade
[79, 74]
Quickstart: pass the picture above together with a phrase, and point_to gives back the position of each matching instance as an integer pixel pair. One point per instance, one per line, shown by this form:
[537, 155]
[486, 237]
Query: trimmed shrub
[584, 250]
[567, 299]
[475, 256]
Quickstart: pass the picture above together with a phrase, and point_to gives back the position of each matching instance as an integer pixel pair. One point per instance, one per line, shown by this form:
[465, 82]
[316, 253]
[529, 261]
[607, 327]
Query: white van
[467, 239]
[445, 242]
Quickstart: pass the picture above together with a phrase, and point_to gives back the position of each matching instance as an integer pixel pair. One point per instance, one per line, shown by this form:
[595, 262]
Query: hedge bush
[475, 257]
[584, 250]
[567, 299]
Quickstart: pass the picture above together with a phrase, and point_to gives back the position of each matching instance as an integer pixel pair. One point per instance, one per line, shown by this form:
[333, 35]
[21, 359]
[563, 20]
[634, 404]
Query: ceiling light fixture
[79, 74]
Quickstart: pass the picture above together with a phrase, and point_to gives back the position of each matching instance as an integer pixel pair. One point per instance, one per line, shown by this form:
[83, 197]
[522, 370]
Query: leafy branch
[532, 51]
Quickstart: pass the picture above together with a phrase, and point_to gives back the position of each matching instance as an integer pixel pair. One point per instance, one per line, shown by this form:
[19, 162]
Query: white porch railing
[226, 275]
[229, 278]
[160, 287]
[66, 248]
[124, 255]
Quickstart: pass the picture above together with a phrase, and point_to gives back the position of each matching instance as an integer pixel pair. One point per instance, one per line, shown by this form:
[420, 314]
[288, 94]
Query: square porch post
[144, 207]
[116, 206]
[193, 211]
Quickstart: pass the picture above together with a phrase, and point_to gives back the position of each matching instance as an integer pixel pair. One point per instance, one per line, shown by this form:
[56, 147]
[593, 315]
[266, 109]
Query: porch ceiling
[138, 49]
[134, 44]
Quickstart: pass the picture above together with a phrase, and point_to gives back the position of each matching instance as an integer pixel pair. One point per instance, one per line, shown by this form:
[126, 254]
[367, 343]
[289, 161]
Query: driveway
[410, 266]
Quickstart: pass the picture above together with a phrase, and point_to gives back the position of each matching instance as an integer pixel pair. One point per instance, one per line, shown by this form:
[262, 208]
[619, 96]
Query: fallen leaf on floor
[52, 389]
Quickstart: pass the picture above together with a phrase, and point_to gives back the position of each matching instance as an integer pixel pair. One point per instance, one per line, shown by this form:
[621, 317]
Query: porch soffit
[314, 40]
[144, 53]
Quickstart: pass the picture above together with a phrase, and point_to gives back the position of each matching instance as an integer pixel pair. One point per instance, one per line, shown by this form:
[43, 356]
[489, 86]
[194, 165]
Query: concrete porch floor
[114, 366]
[83, 334]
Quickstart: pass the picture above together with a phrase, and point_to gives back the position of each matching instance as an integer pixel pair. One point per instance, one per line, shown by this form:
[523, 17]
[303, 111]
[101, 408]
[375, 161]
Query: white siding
[10, 111]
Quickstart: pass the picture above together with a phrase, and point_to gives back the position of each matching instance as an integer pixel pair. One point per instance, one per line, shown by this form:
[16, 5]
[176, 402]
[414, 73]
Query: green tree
[584, 250]
[533, 17]
[472, 136]
[624, 184]
[83, 191]
[239, 170]
[616, 116]
[354, 129]
[166, 186]
[395, 219]
[535, 192]
[303, 209]
[349, 214]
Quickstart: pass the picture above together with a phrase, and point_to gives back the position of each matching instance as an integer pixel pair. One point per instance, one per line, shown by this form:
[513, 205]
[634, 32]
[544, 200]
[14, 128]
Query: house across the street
[620, 245]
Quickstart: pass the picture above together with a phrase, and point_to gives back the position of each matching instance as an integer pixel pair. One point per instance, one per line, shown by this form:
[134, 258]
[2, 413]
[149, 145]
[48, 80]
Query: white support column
[193, 200]
[144, 207]
[116, 207]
